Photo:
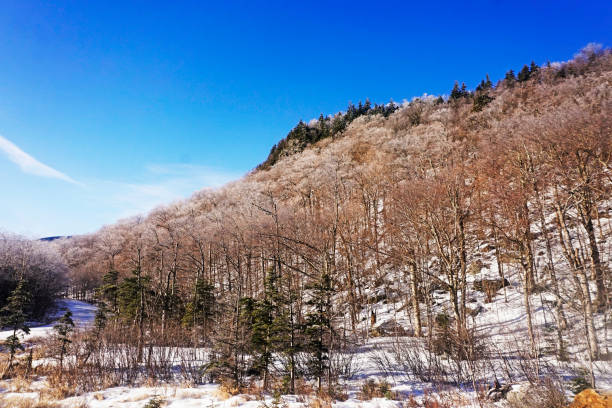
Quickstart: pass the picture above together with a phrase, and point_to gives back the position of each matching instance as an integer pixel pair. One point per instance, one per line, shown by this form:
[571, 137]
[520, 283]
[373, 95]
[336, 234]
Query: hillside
[438, 245]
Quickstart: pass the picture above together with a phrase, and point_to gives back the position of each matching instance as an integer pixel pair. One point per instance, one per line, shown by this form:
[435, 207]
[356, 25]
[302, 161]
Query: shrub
[155, 402]
[547, 394]
[580, 383]
[371, 389]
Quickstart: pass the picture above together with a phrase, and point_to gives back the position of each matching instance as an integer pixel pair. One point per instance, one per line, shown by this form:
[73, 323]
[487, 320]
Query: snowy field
[501, 322]
[82, 314]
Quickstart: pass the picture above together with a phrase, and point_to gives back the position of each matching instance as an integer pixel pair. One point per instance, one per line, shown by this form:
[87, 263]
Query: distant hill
[49, 239]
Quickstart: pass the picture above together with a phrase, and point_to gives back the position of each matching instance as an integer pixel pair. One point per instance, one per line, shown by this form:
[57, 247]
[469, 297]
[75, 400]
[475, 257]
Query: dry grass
[60, 386]
[320, 402]
[18, 384]
[26, 402]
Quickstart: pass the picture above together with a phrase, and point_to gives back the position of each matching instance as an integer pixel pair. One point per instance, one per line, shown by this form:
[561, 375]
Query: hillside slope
[472, 234]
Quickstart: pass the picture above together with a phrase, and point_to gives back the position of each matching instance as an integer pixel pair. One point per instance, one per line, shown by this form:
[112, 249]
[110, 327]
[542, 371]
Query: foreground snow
[201, 396]
[82, 314]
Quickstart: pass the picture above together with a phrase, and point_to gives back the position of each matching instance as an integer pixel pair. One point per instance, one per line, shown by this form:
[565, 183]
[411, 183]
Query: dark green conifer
[509, 79]
[200, 311]
[14, 316]
[107, 293]
[456, 92]
[523, 74]
[318, 327]
[63, 328]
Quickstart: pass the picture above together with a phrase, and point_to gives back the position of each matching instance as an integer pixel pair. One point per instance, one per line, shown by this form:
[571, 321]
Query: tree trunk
[416, 310]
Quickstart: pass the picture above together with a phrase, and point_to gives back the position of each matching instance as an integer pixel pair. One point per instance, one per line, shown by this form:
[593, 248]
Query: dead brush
[61, 385]
[19, 383]
[372, 389]
[25, 402]
[303, 387]
[320, 402]
[227, 388]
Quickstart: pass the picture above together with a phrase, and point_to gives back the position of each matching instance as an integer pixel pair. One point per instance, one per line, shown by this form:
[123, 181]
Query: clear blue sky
[110, 108]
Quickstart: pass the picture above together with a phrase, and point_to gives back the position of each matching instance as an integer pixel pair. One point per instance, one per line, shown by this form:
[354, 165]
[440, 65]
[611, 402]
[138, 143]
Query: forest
[404, 221]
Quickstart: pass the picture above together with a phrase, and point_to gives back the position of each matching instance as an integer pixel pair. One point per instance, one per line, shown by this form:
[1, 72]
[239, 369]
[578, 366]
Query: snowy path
[82, 314]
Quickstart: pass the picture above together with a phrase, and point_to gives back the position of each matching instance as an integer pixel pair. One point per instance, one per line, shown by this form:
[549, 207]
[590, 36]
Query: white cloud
[29, 164]
[163, 184]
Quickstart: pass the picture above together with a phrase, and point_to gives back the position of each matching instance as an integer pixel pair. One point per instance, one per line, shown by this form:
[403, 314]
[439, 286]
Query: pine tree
[100, 318]
[14, 316]
[63, 328]
[488, 83]
[456, 92]
[131, 297]
[109, 289]
[268, 326]
[533, 68]
[199, 312]
[481, 87]
[509, 79]
[523, 74]
[318, 327]
[323, 128]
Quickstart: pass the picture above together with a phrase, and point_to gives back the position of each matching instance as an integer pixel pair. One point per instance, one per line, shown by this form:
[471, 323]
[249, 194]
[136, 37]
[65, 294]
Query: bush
[371, 389]
[154, 402]
[547, 394]
[580, 383]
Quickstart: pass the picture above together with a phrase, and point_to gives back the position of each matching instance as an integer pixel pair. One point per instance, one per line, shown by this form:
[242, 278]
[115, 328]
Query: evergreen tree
[108, 291]
[199, 312]
[131, 297]
[488, 83]
[268, 326]
[338, 124]
[14, 316]
[481, 87]
[533, 68]
[480, 101]
[509, 79]
[323, 128]
[523, 74]
[100, 318]
[318, 327]
[63, 328]
[455, 92]
[351, 113]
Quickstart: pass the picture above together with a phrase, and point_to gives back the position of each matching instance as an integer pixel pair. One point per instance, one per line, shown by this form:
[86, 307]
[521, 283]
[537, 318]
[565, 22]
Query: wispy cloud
[160, 184]
[29, 164]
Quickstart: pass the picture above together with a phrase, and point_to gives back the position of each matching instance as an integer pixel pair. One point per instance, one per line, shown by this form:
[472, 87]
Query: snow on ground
[82, 314]
[208, 396]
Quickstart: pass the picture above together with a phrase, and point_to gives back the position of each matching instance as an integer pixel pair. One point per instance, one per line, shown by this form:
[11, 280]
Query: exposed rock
[498, 392]
[475, 311]
[389, 328]
[591, 399]
[536, 396]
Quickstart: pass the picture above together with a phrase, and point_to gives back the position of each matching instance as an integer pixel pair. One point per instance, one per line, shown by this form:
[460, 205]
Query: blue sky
[108, 109]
